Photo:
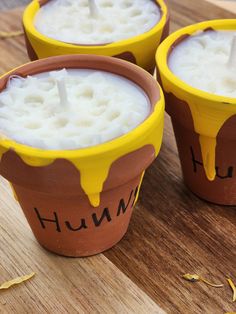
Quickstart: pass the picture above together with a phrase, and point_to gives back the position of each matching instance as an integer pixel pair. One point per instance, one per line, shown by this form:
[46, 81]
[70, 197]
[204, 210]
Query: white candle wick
[93, 9]
[232, 55]
[59, 77]
[61, 87]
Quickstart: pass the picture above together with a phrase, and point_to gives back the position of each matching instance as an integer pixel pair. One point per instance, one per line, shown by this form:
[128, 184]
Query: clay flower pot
[204, 125]
[79, 202]
[138, 49]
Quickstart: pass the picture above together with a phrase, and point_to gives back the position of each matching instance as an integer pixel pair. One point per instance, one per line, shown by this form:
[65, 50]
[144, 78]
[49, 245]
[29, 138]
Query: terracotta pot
[204, 125]
[138, 49]
[72, 208]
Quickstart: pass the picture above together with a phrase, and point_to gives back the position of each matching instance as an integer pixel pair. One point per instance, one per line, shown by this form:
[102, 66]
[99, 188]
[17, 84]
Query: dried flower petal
[192, 278]
[232, 286]
[16, 281]
[211, 284]
[10, 34]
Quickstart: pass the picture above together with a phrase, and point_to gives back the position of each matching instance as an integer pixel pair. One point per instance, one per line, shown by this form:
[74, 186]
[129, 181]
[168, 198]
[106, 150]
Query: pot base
[81, 254]
[222, 190]
[70, 226]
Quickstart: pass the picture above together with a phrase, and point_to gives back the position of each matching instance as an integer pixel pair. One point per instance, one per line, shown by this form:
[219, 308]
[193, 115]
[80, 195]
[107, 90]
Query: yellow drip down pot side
[209, 112]
[94, 163]
[142, 47]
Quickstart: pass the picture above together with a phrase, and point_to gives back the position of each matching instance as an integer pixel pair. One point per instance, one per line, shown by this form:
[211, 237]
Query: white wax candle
[100, 106]
[73, 21]
[206, 61]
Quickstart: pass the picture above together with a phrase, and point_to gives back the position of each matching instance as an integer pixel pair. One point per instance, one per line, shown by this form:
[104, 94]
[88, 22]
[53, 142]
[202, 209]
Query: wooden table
[172, 232]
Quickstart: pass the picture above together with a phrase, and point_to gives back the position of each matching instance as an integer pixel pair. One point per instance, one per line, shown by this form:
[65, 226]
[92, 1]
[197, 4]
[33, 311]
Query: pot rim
[156, 98]
[165, 48]
[33, 7]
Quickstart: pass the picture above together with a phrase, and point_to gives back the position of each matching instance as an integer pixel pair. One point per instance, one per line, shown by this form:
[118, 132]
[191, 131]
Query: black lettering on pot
[122, 207]
[229, 174]
[43, 219]
[105, 214]
[195, 162]
[81, 226]
[84, 223]
[219, 172]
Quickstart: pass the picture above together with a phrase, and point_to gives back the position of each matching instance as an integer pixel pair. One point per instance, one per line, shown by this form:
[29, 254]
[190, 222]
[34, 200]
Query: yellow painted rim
[164, 49]
[108, 147]
[33, 7]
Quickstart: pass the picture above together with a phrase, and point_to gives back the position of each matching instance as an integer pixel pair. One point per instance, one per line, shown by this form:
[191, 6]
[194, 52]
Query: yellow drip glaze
[35, 162]
[92, 181]
[13, 191]
[208, 119]
[139, 186]
[208, 145]
[209, 112]
[94, 169]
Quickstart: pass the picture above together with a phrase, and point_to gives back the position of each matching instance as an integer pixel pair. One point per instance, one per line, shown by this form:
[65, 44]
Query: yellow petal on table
[232, 286]
[16, 281]
[194, 278]
[191, 278]
[10, 34]
[211, 284]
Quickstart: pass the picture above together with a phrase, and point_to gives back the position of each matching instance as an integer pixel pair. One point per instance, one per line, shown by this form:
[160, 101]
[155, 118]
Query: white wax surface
[101, 106]
[202, 62]
[70, 20]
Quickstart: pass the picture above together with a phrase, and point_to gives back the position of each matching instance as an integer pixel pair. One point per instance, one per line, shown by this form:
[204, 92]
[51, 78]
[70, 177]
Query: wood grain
[229, 5]
[172, 232]
[10, 4]
[12, 50]
[62, 285]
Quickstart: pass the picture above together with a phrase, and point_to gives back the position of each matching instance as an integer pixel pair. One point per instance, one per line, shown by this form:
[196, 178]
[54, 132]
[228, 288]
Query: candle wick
[232, 55]
[61, 87]
[93, 9]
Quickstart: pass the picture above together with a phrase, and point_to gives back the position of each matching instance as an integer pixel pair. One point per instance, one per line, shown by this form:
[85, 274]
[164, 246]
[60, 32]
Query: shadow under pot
[60, 190]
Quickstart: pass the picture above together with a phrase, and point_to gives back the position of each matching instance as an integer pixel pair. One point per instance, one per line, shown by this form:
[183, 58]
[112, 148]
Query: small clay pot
[199, 117]
[47, 184]
[222, 190]
[139, 49]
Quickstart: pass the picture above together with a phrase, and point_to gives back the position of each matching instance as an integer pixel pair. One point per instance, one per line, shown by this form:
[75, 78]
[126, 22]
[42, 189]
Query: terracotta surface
[222, 190]
[127, 55]
[54, 203]
[171, 232]
[58, 211]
